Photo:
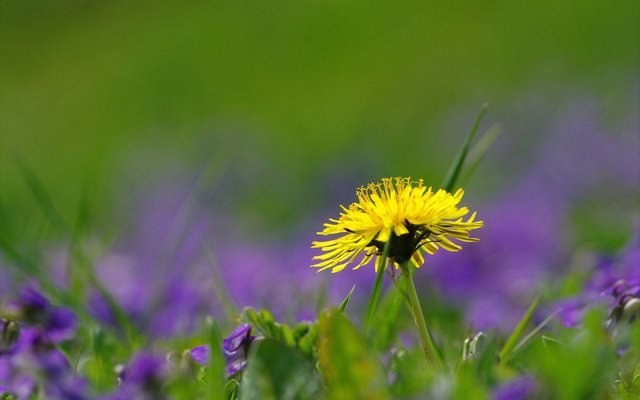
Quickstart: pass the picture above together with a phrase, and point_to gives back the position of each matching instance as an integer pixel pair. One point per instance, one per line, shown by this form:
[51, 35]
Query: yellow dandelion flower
[407, 214]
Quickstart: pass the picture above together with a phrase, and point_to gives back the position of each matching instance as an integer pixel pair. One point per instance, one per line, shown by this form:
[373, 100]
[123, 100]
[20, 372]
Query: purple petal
[200, 354]
[145, 368]
[235, 366]
[61, 325]
[518, 389]
[236, 338]
[31, 297]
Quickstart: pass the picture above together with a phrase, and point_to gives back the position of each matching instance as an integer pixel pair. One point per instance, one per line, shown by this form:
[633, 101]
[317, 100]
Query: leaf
[517, 333]
[527, 339]
[477, 153]
[277, 372]
[40, 195]
[215, 369]
[454, 170]
[343, 305]
[377, 287]
[347, 362]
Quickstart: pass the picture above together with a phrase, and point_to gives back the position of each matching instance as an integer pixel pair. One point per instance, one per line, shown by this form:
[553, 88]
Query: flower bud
[8, 335]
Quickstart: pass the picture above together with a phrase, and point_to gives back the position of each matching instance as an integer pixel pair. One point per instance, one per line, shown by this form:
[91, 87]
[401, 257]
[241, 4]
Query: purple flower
[614, 281]
[521, 388]
[200, 354]
[235, 348]
[32, 307]
[143, 378]
[34, 364]
[238, 337]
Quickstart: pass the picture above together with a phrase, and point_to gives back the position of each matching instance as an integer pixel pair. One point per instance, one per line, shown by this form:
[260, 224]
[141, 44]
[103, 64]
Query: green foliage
[303, 336]
[581, 364]
[215, 370]
[349, 367]
[278, 372]
[345, 302]
[409, 375]
[518, 332]
[450, 180]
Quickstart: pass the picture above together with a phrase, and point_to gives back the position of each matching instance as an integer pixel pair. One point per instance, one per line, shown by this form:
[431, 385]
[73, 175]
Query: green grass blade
[477, 153]
[517, 333]
[349, 365]
[377, 287]
[456, 167]
[527, 339]
[215, 370]
[83, 261]
[220, 289]
[185, 220]
[40, 194]
[345, 302]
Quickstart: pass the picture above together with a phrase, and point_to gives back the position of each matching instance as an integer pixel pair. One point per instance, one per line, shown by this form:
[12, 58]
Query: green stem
[377, 286]
[430, 352]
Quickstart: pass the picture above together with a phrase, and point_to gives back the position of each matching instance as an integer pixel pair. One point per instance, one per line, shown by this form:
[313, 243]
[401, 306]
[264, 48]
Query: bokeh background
[181, 135]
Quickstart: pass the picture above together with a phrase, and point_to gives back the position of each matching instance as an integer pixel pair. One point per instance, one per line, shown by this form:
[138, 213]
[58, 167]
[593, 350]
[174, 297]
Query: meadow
[319, 200]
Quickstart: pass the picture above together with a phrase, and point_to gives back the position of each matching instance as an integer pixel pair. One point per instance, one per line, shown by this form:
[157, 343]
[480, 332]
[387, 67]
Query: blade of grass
[28, 269]
[85, 264]
[80, 225]
[40, 194]
[517, 333]
[215, 370]
[185, 220]
[477, 153]
[525, 340]
[345, 302]
[377, 286]
[220, 289]
[456, 167]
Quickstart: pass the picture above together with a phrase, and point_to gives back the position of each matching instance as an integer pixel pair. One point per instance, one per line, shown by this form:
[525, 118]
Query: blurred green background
[98, 94]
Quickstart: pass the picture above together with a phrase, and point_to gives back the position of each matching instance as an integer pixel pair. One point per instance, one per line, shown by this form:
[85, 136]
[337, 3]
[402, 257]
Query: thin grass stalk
[374, 299]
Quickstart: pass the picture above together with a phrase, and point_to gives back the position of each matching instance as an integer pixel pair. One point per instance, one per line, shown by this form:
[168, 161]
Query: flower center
[402, 247]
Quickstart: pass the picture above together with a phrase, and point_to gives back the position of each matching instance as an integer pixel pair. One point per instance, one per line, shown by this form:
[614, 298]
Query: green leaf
[277, 372]
[231, 389]
[451, 178]
[477, 153]
[347, 362]
[377, 287]
[345, 302]
[519, 331]
[40, 194]
[527, 339]
[215, 370]
[386, 320]
[221, 288]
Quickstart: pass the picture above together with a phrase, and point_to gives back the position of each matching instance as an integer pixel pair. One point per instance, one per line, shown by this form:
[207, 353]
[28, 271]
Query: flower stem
[430, 352]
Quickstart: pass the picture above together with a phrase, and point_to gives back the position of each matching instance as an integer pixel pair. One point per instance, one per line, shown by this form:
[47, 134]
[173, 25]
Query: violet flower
[235, 348]
[32, 307]
[143, 378]
[521, 388]
[614, 282]
[34, 364]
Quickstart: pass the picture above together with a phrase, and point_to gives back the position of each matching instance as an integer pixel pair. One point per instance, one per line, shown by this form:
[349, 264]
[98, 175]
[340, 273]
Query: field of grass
[169, 171]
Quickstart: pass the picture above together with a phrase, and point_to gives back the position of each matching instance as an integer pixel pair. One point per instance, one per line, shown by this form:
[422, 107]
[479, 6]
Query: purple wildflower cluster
[30, 362]
[614, 283]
